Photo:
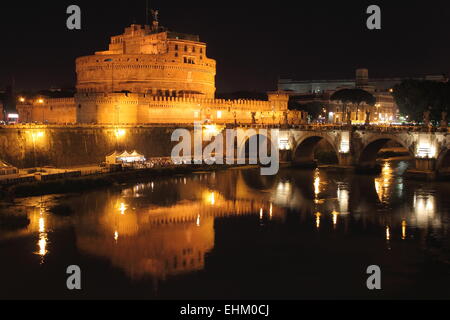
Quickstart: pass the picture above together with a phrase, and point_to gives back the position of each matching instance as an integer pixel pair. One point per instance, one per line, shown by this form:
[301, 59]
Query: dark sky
[254, 42]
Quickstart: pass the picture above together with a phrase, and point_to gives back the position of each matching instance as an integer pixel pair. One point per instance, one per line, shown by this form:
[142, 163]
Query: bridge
[357, 147]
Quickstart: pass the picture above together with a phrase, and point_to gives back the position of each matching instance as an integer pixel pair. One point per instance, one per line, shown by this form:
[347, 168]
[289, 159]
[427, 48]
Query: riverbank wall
[28, 146]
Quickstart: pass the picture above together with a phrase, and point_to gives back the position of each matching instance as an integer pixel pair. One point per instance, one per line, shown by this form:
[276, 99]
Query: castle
[150, 75]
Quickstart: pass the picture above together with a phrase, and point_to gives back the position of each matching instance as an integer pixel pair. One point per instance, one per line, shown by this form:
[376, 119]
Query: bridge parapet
[358, 147]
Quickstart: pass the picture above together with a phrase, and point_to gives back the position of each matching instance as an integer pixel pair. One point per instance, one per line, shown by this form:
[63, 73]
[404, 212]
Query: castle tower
[149, 60]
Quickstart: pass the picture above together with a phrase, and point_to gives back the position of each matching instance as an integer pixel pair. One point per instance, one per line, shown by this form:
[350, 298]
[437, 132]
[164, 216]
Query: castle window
[176, 55]
[193, 49]
[185, 49]
[201, 50]
[176, 47]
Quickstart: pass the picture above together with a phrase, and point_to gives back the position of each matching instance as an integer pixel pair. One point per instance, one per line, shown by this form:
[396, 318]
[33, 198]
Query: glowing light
[261, 213]
[317, 183]
[384, 182]
[426, 151]
[198, 221]
[40, 101]
[42, 245]
[343, 199]
[318, 215]
[211, 130]
[335, 217]
[13, 116]
[345, 143]
[116, 236]
[271, 211]
[403, 229]
[21, 99]
[41, 225]
[122, 208]
[212, 198]
[283, 144]
[424, 208]
[219, 114]
[388, 233]
[120, 133]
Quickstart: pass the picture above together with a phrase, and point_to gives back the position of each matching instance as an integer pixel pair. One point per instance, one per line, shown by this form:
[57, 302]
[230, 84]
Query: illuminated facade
[151, 75]
[385, 109]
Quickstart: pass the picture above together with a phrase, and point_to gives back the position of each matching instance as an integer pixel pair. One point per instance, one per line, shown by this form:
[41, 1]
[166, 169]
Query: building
[320, 91]
[152, 75]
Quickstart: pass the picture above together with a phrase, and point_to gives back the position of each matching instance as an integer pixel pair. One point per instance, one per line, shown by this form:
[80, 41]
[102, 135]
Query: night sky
[254, 42]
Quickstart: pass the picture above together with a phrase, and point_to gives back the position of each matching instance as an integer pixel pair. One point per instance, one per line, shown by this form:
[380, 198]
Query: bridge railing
[305, 127]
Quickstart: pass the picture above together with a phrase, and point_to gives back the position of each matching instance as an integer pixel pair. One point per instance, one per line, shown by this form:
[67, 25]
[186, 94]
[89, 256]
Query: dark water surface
[235, 234]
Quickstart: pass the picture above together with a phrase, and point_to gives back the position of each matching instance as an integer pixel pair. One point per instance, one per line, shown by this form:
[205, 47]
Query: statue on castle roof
[155, 14]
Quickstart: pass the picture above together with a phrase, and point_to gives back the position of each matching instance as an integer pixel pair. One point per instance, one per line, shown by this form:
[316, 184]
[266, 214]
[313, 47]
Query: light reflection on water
[168, 227]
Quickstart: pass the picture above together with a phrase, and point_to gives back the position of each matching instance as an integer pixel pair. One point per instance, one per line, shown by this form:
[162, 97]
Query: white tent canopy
[124, 157]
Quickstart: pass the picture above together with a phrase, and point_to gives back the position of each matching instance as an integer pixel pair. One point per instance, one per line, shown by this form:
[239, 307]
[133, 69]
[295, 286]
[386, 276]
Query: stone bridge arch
[242, 146]
[366, 149]
[305, 145]
[443, 161]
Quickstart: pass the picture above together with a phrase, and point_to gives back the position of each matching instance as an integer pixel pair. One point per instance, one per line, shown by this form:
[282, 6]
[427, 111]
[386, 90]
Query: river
[234, 234]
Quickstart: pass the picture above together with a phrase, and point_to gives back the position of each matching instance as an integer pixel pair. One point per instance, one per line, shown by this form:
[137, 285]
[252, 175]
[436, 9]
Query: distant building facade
[151, 75]
[385, 109]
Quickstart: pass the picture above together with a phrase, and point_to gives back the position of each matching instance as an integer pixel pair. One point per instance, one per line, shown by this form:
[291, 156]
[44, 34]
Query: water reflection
[168, 227]
[424, 205]
[384, 183]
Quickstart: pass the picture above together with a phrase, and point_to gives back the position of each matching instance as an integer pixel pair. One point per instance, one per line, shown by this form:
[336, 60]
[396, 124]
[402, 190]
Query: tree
[353, 96]
[314, 108]
[414, 97]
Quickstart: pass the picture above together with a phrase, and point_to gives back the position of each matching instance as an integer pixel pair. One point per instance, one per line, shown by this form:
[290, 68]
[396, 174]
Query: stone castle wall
[60, 111]
[150, 74]
[122, 108]
[62, 146]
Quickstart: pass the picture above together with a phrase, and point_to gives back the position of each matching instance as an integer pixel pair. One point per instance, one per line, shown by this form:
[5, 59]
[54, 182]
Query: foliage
[414, 97]
[312, 108]
[354, 96]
